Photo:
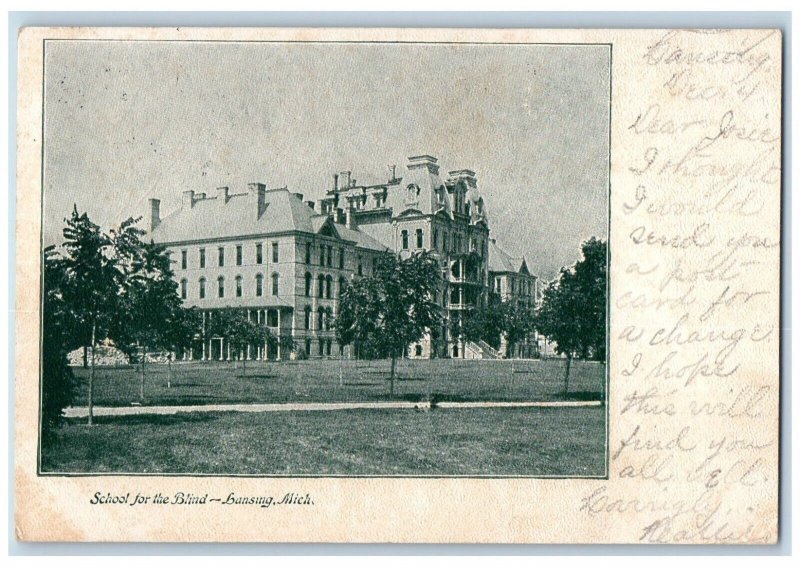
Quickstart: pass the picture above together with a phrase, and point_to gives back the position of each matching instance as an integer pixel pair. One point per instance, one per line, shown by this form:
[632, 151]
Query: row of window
[324, 318]
[523, 287]
[259, 253]
[324, 285]
[238, 286]
[325, 255]
[456, 241]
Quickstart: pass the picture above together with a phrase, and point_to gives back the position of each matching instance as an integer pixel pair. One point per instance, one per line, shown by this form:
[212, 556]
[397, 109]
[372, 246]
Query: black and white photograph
[327, 259]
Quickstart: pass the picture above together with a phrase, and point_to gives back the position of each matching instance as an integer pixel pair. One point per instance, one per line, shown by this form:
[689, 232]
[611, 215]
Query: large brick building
[285, 260]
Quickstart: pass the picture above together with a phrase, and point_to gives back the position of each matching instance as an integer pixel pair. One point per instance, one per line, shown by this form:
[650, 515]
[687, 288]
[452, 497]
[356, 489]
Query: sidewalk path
[313, 406]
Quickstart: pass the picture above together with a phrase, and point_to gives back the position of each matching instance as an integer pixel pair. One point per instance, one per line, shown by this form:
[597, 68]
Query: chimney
[260, 190]
[187, 200]
[344, 179]
[310, 204]
[155, 213]
[335, 181]
[340, 218]
[222, 194]
[350, 215]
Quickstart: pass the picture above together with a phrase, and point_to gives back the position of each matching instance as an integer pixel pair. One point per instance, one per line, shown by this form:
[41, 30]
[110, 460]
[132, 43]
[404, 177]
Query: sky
[126, 121]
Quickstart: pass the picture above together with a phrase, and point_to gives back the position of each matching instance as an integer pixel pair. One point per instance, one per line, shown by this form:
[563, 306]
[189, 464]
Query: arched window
[328, 287]
[342, 285]
[307, 317]
[419, 238]
[404, 237]
[341, 259]
[221, 286]
[320, 318]
[309, 280]
[320, 286]
[259, 285]
[275, 278]
[202, 288]
[308, 252]
[238, 286]
[184, 285]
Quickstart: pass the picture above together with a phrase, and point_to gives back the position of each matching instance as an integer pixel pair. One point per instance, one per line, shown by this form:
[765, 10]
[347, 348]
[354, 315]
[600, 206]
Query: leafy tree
[572, 312]
[57, 338]
[510, 319]
[90, 285]
[239, 331]
[150, 306]
[393, 307]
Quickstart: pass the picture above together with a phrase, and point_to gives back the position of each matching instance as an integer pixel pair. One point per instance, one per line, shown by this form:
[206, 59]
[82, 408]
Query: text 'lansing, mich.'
[190, 499]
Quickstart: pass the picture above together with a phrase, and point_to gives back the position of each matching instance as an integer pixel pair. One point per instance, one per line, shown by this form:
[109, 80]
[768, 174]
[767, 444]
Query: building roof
[501, 261]
[237, 215]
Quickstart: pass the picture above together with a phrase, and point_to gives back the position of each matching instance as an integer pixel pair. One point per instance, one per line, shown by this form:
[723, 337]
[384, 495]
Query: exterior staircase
[481, 349]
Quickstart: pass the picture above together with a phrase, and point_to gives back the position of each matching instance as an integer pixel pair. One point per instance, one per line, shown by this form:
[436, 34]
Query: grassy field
[485, 442]
[332, 380]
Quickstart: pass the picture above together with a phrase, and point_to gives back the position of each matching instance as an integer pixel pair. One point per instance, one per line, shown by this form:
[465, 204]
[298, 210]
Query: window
[309, 283]
[275, 284]
[238, 286]
[184, 259]
[328, 347]
[418, 350]
[308, 252]
[308, 347]
[272, 318]
[259, 254]
[321, 286]
[221, 286]
[202, 288]
[330, 256]
[404, 237]
[419, 238]
[320, 318]
[238, 254]
[307, 317]
[321, 254]
[445, 243]
[342, 285]
[202, 257]
[341, 259]
[275, 252]
[321, 347]
[328, 287]
[221, 256]
[360, 267]
[259, 285]
[435, 238]
[184, 284]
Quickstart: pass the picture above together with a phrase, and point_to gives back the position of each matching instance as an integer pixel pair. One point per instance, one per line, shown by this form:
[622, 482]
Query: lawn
[477, 442]
[332, 380]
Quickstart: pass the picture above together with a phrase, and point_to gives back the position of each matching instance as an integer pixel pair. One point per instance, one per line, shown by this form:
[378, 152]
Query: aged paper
[688, 428]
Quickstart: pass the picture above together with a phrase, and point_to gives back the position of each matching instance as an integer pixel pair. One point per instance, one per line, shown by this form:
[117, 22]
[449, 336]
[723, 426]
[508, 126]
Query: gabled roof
[361, 239]
[501, 261]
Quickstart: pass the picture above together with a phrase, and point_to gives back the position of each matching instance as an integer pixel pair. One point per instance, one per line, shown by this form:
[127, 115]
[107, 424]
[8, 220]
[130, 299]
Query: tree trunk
[391, 377]
[91, 376]
[566, 376]
[244, 365]
[169, 370]
[141, 380]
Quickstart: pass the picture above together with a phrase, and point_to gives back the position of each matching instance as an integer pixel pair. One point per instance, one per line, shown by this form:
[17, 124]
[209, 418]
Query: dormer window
[412, 192]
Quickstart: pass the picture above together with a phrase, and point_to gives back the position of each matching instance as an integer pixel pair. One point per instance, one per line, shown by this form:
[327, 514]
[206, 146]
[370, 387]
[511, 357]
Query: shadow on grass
[146, 419]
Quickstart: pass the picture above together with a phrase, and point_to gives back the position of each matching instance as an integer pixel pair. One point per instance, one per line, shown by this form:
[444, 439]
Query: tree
[57, 338]
[240, 331]
[572, 312]
[150, 307]
[90, 285]
[509, 319]
[393, 307]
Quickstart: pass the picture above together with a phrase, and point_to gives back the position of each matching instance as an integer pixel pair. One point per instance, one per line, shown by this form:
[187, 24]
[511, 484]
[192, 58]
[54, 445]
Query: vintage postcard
[363, 285]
